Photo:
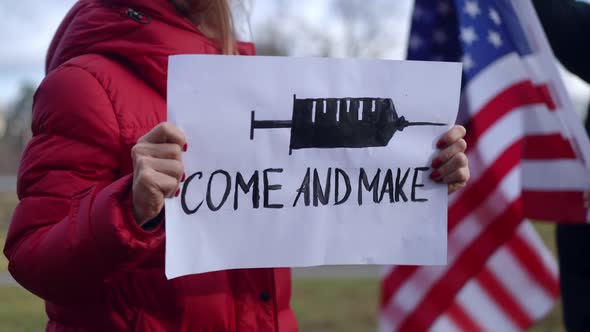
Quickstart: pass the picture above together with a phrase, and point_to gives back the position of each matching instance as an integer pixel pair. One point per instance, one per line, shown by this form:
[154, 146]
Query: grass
[547, 232]
[321, 305]
[20, 311]
[7, 204]
[553, 322]
[3, 260]
[347, 305]
[351, 305]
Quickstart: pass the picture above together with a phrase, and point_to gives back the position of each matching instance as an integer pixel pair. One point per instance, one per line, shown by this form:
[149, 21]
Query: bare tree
[348, 28]
[18, 129]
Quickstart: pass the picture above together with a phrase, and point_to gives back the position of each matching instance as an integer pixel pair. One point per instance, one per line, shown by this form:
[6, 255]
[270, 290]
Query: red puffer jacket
[73, 240]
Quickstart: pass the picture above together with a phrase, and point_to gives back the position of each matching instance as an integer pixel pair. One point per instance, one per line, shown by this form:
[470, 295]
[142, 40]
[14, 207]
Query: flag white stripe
[494, 142]
[530, 120]
[385, 270]
[506, 131]
[481, 217]
[538, 120]
[525, 290]
[535, 68]
[490, 82]
[526, 120]
[554, 175]
[535, 240]
[483, 310]
[415, 288]
[531, 297]
[499, 76]
[544, 55]
[443, 324]
[490, 146]
[385, 324]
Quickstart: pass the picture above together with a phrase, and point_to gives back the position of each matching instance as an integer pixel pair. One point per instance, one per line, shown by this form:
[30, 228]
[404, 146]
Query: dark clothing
[567, 24]
[573, 248]
[574, 267]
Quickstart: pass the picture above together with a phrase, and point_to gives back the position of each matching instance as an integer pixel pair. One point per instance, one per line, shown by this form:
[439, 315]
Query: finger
[167, 185]
[149, 179]
[457, 178]
[160, 151]
[451, 136]
[456, 162]
[454, 187]
[587, 199]
[165, 132]
[170, 167]
[447, 153]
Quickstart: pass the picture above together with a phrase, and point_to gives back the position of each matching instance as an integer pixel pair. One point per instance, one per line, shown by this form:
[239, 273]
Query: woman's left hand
[450, 166]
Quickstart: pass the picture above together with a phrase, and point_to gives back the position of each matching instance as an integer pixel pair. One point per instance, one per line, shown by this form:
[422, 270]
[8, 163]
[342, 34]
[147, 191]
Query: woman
[88, 235]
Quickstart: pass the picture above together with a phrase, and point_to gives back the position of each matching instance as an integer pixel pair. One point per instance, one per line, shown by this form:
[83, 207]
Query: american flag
[528, 157]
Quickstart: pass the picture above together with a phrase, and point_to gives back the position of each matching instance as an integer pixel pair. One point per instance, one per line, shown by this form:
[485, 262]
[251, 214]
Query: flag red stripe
[529, 259]
[471, 197]
[559, 206]
[494, 213]
[552, 146]
[518, 95]
[462, 320]
[479, 191]
[471, 261]
[391, 283]
[545, 95]
[502, 297]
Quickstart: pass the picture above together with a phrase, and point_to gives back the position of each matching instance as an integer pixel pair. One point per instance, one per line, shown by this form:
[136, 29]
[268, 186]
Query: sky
[26, 28]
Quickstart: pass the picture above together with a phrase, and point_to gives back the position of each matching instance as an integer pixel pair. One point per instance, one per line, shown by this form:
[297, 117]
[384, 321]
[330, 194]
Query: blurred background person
[567, 25]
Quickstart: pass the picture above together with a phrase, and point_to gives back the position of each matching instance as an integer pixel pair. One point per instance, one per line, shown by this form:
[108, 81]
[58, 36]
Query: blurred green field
[20, 311]
[322, 305]
[7, 204]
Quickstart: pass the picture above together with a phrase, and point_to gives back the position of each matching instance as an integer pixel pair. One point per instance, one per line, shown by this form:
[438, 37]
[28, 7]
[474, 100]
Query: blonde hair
[214, 19]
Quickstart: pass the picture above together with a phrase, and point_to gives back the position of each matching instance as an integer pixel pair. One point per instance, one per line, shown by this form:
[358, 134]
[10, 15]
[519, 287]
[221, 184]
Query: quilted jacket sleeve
[73, 228]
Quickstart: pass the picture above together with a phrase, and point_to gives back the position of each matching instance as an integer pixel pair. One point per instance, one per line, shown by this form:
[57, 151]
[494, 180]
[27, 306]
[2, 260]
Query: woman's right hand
[158, 170]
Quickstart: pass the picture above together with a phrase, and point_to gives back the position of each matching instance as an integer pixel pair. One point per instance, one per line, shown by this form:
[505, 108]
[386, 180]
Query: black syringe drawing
[327, 123]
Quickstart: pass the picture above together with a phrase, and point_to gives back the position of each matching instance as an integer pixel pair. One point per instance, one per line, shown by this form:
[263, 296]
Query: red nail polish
[185, 147]
[183, 177]
[441, 144]
[177, 193]
[436, 163]
[435, 175]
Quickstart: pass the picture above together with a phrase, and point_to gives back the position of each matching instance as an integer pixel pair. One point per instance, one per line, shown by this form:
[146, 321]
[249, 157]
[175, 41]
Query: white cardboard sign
[308, 161]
